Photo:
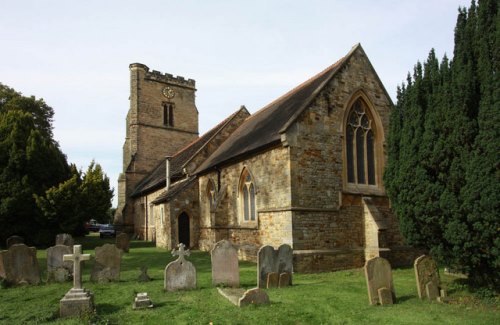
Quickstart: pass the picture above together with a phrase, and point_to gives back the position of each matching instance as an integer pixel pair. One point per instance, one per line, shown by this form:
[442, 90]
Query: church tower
[161, 120]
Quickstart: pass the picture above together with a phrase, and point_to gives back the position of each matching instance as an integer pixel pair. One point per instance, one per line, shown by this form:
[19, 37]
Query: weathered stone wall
[271, 175]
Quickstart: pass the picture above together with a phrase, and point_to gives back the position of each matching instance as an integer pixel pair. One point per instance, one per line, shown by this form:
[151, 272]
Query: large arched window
[360, 145]
[247, 197]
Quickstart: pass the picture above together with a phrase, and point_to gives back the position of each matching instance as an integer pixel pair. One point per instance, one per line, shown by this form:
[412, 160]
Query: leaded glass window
[247, 197]
[360, 146]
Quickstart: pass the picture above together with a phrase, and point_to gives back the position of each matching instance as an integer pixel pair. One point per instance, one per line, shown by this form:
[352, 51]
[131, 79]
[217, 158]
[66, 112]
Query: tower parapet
[168, 78]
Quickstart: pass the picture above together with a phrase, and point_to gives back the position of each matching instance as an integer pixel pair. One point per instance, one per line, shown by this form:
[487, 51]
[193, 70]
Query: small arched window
[360, 145]
[247, 197]
[211, 194]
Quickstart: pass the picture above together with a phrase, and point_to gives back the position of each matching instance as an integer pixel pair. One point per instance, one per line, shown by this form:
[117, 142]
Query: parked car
[92, 225]
[107, 231]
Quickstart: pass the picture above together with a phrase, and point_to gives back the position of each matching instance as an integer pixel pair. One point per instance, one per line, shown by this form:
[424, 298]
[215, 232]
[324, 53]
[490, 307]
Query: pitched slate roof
[262, 129]
[174, 189]
[157, 178]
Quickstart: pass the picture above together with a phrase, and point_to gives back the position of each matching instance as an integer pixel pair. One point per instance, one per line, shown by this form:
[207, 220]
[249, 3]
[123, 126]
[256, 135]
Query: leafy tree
[442, 174]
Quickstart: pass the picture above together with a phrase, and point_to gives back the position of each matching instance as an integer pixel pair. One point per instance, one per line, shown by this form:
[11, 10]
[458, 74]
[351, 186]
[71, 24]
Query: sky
[75, 54]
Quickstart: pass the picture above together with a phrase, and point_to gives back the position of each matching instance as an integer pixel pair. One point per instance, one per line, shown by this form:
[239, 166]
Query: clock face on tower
[168, 92]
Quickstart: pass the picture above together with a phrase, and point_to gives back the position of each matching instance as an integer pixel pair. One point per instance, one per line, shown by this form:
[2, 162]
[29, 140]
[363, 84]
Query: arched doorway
[183, 229]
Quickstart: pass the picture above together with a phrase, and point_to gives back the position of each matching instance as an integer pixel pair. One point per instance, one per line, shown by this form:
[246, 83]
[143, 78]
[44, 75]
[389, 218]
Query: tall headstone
[65, 239]
[427, 276]
[277, 261]
[123, 242]
[225, 268]
[57, 269]
[19, 265]
[12, 240]
[107, 263]
[378, 276]
[77, 300]
[180, 274]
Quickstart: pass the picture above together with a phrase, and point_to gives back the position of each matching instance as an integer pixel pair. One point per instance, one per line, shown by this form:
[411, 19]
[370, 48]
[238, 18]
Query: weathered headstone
[65, 239]
[242, 298]
[57, 269]
[272, 280]
[19, 265]
[77, 300]
[12, 240]
[142, 301]
[278, 261]
[225, 268]
[144, 277]
[180, 274]
[123, 242]
[284, 280]
[378, 276]
[107, 263]
[427, 276]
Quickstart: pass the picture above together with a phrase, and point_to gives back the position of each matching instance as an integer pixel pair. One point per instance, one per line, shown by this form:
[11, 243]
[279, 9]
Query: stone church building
[305, 170]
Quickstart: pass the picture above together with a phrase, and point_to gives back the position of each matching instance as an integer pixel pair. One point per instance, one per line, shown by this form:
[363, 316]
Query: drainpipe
[167, 170]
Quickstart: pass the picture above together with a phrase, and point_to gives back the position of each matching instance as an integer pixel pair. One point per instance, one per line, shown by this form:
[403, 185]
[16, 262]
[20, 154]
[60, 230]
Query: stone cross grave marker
[277, 261]
[57, 269]
[77, 300]
[19, 265]
[180, 274]
[378, 276]
[123, 242]
[65, 239]
[427, 276]
[225, 268]
[107, 263]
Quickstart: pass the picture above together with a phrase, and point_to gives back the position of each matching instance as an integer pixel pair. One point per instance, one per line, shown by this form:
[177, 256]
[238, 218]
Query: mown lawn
[327, 298]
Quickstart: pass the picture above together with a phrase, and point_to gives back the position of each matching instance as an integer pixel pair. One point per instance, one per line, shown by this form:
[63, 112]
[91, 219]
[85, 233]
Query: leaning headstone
[142, 301]
[107, 263]
[242, 298]
[277, 261]
[77, 301]
[123, 242]
[180, 274]
[427, 276]
[378, 275]
[144, 277]
[12, 240]
[65, 239]
[57, 269]
[225, 265]
[19, 265]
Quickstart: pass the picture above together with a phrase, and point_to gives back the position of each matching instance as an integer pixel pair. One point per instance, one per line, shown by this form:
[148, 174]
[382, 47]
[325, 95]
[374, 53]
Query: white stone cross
[181, 252]
[77, 257]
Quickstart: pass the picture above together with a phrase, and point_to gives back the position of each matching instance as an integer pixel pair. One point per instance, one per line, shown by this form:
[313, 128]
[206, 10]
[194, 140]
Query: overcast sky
[75, 54]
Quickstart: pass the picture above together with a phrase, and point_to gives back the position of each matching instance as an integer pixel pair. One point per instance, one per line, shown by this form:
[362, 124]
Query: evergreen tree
[96, 193]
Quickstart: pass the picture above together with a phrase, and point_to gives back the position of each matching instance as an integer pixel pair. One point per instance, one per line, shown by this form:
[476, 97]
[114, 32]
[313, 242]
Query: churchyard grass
[327, 298]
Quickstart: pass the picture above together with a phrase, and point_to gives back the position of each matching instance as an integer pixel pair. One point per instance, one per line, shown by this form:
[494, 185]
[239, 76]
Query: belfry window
[247, 197]
[168, 114]
[360, 145]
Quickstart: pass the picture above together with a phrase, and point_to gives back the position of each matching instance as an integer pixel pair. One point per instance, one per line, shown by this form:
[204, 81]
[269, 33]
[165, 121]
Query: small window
[168, 114]
[247, 197]
[211, 194]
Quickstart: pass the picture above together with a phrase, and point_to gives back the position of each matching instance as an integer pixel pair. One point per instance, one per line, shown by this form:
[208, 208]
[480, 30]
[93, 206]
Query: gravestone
[57, 269]
[277, 261]
[12, 240]
[272, 280]
[427, 276]
[123, 242]
[144, 277]
[107, 263]
[180, 274]
[77, 301]
[242, 298]
[284, 280]
[142, 301]
[19, 265]
[65, 239]
[378, 276]
[225, 268]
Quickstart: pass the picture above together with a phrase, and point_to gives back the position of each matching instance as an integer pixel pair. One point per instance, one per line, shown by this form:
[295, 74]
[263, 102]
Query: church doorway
[183, 231]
